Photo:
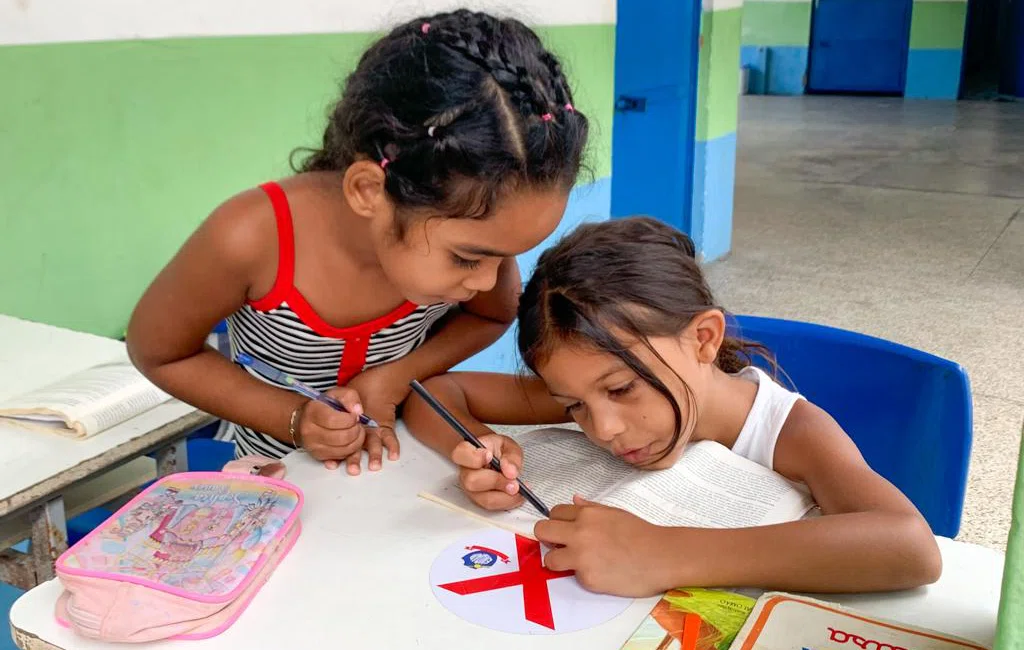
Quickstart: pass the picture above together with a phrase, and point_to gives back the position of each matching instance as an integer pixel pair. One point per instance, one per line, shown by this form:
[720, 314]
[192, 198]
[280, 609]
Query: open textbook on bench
[85, 403]
[709, 487]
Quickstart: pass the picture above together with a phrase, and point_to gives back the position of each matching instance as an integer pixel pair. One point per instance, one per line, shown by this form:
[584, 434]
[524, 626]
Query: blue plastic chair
[909, 412]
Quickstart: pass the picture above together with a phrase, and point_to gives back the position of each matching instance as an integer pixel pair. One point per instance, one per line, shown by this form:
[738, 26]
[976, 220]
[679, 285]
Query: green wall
[776, 40]
[777, 23]
[938, 25]
[718, 76]
[933, 24]
[113, 152]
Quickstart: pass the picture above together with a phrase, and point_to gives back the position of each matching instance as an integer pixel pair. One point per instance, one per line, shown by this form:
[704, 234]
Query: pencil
[274, 374]
[468, 436]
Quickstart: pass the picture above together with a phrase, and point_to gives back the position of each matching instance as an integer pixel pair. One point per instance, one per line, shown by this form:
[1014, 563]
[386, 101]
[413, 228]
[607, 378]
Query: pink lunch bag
[183, 559]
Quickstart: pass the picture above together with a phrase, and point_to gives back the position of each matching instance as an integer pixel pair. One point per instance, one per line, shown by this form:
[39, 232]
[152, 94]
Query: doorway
[859, 46]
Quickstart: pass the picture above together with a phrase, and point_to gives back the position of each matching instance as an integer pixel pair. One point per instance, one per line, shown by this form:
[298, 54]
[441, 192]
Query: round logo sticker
[497, 579]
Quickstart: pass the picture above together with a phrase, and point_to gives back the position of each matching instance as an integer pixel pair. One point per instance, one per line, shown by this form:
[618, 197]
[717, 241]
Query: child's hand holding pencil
[330, 426]
[328, 434]
[488, 471]
[483, 485]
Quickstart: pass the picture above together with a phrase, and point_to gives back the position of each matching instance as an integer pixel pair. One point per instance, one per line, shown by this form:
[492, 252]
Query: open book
[709, 487]
[85, 403]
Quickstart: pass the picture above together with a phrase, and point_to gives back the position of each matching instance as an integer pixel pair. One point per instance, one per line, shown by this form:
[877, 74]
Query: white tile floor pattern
[903, 220]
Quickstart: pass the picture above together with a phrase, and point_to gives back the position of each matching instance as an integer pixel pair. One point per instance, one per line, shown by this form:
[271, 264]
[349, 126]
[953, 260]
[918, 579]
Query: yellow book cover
[692, 619]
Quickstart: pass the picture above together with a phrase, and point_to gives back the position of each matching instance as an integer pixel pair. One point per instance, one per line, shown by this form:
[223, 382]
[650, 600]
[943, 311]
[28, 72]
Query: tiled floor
[903, 220]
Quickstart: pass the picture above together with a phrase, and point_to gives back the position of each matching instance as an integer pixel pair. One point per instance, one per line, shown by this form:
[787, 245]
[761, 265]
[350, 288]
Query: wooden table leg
[172, 459]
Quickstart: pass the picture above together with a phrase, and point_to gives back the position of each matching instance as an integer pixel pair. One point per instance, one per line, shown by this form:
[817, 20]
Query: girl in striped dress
[389, 256]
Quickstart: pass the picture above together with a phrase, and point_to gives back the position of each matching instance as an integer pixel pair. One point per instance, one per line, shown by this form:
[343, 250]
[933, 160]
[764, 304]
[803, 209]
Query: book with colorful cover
[692, 619]
[781, 621]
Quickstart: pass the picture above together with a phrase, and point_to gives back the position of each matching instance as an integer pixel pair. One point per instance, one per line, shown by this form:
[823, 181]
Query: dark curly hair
[635, 277]
[459, 108]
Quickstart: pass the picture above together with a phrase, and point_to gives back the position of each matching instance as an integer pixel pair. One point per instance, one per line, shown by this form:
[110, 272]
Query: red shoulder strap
[285, 249]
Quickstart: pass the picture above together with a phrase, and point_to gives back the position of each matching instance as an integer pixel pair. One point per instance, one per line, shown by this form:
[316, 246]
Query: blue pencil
[273, 374]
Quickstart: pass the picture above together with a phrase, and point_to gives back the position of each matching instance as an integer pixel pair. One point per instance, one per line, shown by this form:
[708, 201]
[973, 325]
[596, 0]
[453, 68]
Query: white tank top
[764, 423]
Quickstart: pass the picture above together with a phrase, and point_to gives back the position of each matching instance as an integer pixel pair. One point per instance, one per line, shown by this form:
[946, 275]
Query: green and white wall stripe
[134, 120]
[718, 85]
[777, 36]
[129, 122]
[936, 49]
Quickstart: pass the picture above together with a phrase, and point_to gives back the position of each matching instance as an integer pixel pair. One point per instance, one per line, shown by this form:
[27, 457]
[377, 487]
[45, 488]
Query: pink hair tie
[547, 117]
[425, 27]
[569, 108]
[384, 162]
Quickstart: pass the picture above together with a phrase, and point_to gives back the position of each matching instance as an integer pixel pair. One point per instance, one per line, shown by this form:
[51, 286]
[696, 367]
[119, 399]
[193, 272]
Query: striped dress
[284, 330]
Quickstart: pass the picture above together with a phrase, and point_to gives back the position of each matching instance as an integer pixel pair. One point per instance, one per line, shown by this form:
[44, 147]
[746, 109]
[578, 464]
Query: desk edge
[145, 443]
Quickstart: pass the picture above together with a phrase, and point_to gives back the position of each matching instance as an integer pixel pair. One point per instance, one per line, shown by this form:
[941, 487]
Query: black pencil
[468, 436]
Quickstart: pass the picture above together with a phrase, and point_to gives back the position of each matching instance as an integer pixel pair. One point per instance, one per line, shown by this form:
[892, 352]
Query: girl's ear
[709, 330]
[363, 185]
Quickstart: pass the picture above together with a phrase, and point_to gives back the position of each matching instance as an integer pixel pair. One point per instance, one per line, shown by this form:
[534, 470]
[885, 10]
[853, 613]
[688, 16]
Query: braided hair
[459, 109]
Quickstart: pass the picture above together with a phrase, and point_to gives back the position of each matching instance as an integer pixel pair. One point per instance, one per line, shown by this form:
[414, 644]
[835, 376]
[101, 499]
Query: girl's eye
[573, 408]
[464, 263]
[622, 390]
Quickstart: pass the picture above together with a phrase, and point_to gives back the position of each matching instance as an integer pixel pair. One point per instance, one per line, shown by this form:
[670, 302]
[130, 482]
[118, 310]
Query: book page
[557, 463]
[709, 487]
[90, 401]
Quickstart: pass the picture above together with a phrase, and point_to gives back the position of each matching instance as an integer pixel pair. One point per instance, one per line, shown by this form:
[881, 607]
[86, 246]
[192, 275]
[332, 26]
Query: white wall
[48, 21]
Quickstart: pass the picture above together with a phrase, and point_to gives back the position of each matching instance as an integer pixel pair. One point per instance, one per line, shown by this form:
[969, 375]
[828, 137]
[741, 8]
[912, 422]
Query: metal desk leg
[49, 537]
[48, 540]
[172, 458]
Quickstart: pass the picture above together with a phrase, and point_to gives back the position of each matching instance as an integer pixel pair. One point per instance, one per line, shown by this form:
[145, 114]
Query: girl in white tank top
[772, 404]
[625, 338]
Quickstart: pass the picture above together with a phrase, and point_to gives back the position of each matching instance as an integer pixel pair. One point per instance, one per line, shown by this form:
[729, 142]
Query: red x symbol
[533, 577]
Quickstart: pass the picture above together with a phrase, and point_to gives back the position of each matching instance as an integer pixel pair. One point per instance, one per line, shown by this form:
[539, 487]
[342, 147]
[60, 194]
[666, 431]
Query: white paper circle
[481, 580]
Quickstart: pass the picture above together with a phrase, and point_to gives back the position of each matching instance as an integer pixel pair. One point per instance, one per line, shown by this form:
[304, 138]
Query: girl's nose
[607, 425]
[483, 278]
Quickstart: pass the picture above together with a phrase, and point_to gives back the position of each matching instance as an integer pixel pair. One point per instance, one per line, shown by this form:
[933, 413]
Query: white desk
[357, 578]
[36, 468]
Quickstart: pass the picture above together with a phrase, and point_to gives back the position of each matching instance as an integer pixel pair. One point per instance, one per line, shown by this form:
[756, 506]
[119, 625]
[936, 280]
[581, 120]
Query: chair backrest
[909, 412]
